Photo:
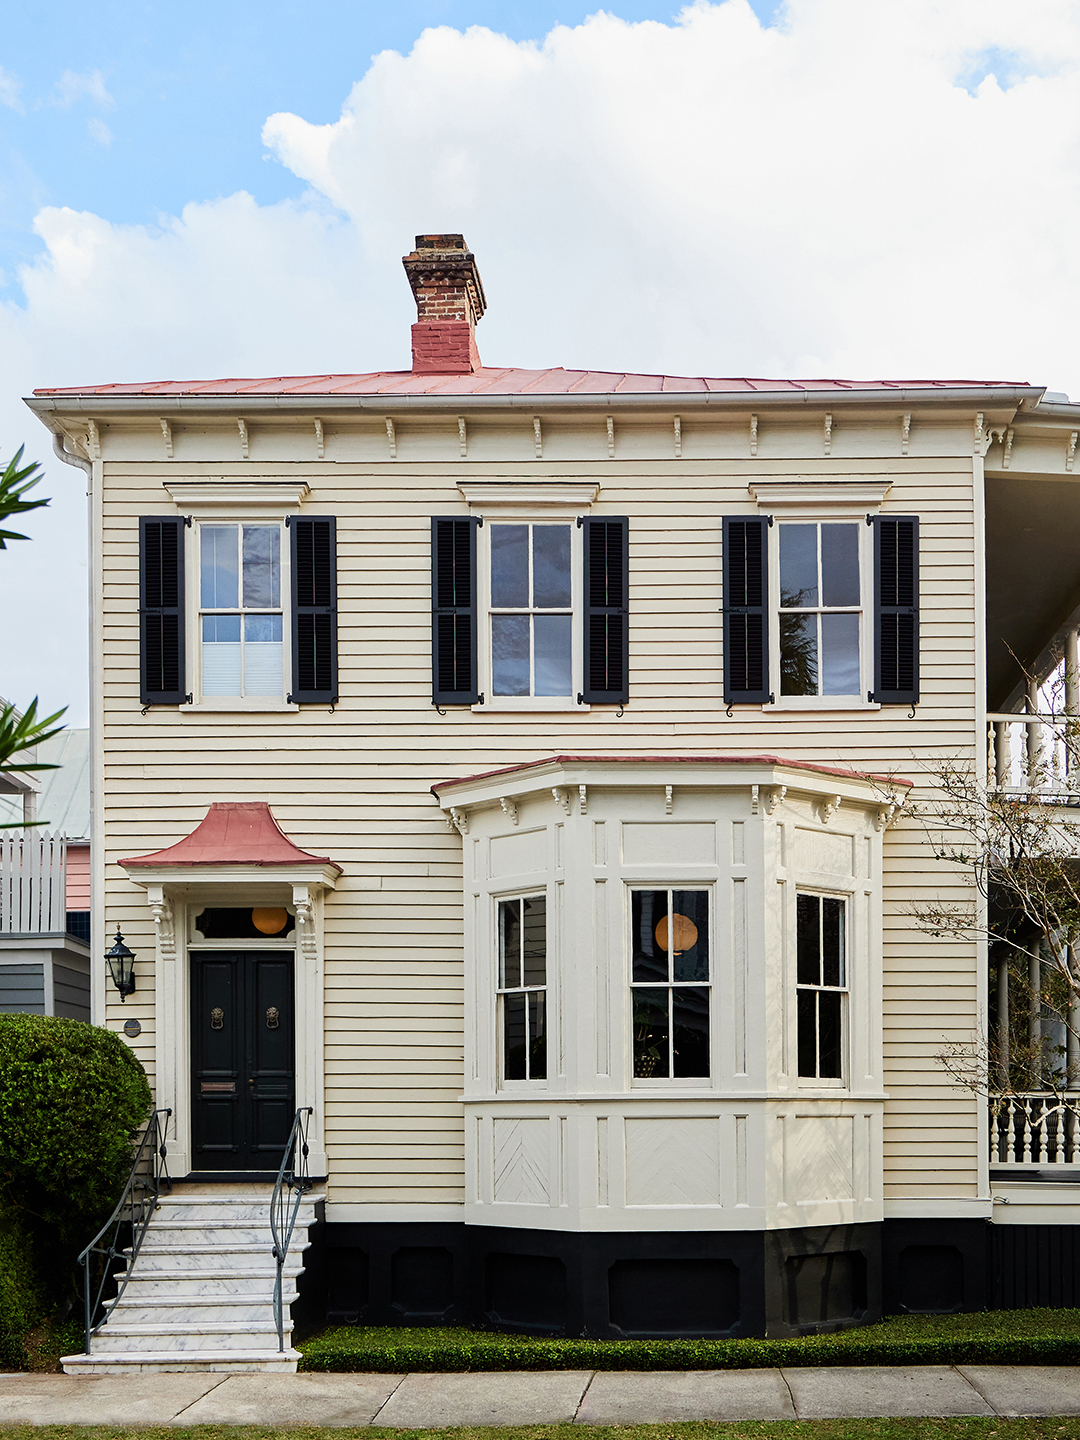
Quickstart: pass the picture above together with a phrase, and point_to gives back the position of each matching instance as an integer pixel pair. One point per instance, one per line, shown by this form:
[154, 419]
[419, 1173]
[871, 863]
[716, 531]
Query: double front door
[243, 1064]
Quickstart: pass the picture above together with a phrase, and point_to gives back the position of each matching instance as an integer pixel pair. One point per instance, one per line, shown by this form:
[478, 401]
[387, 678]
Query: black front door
[243, 1062]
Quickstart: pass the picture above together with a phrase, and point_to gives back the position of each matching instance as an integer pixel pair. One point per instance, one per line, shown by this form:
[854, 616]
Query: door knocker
[217, 1018]
[273, 1017]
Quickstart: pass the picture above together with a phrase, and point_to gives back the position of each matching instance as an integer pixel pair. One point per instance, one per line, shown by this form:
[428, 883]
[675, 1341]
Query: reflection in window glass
[670, 979]
[242, 651]
[532, 649]
[821, 979]
[819, 638]
[522, 997]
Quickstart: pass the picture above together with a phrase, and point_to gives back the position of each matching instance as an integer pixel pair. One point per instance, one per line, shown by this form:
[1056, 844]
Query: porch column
[1003, 1019]
[1072, 672]
[1033, 733]
[1035, 1012]
[1072, 1036]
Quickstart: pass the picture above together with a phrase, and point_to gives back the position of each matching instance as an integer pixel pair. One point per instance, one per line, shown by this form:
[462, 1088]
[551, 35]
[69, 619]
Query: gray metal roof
[63, 804]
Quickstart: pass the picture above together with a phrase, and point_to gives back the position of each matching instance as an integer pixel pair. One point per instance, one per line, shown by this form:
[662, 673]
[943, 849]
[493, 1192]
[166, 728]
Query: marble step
[238, 1312]
[161, 1259]
[202, 1208]
[186, 1336]
[209, 1282]
[209, 1233]
[169, 1362]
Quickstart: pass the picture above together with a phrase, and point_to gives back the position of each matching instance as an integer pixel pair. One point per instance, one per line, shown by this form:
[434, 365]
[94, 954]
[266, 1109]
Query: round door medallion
[132, 1028]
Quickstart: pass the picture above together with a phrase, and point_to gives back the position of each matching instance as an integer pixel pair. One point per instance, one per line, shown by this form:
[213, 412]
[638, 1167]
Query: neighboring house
[511, 766]
[45, 882]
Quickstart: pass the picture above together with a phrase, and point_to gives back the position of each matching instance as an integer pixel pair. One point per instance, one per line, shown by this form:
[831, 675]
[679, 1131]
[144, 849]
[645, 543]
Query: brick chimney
[449, 301]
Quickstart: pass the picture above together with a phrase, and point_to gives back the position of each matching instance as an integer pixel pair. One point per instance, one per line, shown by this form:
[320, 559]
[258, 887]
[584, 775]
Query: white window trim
[502, 1085]
[530, 704]
[839, 703]
[842, 1082]
[228, 704]
[665, 1084]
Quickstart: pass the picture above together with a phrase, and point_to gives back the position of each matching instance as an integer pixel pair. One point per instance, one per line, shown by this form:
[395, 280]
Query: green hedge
[945, 1340]
[72, 1097]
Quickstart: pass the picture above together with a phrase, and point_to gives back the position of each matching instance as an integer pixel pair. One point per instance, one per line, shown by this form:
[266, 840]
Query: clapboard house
[513, 766]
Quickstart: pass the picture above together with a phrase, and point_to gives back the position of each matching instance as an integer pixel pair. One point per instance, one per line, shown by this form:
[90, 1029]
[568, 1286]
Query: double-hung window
[670, 983]
[522, 987]
[821, 963]
[820, 609]
[531, 612]
[241, 625]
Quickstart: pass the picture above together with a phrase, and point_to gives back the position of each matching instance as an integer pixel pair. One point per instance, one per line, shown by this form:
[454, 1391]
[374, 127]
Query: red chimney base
[444, 347]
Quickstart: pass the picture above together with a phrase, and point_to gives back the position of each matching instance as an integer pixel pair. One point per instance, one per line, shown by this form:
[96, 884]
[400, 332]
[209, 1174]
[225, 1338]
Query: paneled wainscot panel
[669, 844]
[522, 1162]
[823, 1158]
[673, 1162]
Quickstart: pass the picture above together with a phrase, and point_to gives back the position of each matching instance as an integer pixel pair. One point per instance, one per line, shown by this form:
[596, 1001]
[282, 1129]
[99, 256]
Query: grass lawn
[995, 1337]
[1055, 1428]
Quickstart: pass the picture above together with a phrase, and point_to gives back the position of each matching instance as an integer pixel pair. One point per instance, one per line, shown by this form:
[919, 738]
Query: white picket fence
[1041, 1129]
[33, 884]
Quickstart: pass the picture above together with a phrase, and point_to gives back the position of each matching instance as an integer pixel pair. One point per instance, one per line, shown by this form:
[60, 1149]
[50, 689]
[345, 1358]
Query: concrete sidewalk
[538, 1397]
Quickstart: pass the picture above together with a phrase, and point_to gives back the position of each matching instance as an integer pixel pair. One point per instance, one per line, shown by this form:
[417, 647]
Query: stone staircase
[201, 1294]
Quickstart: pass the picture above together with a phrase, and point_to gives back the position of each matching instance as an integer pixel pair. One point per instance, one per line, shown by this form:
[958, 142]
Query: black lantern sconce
[121, 963]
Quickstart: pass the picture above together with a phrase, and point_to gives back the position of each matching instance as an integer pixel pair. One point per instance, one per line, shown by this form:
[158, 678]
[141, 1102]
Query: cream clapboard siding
[355, 784]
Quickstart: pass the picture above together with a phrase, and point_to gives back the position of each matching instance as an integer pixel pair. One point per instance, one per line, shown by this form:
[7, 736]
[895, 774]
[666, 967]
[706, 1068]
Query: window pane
[221, 654]
[262, 566]
[690, 935]
[262, 655]
[514, 1036]
[534, 929]
[829, 1003]
[808, 1032]
[551, 566]
[798, 654]
[840, 565]
[509, 943]
[552, 638]
[808, 939]
[840, 655]
[650, 1033]
[510, 654]
[218, 567]
[798, 565]
[509, 567]
[832, 941]
[649, 911]
[537, 1036]
[690, 1031]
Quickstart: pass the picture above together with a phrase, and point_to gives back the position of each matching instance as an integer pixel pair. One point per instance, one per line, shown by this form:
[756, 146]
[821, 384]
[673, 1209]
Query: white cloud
[867, 190]
[99, 131]
[72, 87]
[10, 86]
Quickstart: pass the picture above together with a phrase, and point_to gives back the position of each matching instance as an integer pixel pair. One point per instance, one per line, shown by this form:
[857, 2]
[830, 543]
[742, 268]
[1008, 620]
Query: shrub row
[359, 1350]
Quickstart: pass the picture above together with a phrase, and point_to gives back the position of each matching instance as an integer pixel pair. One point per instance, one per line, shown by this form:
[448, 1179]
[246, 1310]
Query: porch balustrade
[1029, 755]
[33, 884]
[1037, 1130]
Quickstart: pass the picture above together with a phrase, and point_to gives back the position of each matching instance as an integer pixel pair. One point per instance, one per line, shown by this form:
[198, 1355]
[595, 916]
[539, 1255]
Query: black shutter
[607, 642]
[314, 609]
[746, 613]
[161, 610]
[896, 610]
[453, 610]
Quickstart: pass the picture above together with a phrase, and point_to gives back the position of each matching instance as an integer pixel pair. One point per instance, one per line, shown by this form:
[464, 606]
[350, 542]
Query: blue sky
[184, 90]
[849, 188]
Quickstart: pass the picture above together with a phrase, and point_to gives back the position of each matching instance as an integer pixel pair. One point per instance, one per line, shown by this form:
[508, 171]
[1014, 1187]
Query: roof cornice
[989, 397]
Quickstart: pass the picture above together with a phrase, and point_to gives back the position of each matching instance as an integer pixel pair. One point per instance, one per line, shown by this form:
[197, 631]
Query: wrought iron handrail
[292, 1184]
[135, 1207]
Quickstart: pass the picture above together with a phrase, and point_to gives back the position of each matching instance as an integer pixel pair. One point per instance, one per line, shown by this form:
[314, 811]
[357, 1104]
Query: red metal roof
[493, 380]
[670, 760]
[234, 834]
